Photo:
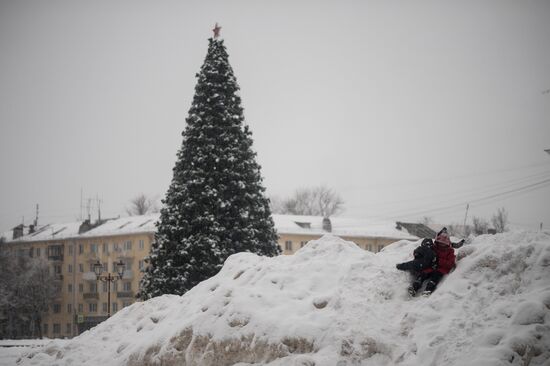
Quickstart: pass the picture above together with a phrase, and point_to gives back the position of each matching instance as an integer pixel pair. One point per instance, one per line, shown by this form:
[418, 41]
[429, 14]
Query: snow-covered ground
[12, 349]
[335, 304]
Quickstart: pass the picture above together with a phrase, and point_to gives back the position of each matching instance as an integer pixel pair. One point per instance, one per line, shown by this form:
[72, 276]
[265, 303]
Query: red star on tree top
[216, 31]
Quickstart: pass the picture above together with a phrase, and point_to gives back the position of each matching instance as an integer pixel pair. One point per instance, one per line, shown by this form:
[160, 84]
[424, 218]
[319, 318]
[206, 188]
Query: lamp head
[97, 268]
[120, 268]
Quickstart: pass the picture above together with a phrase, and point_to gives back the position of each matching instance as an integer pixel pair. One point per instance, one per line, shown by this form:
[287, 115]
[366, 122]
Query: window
[38, 252]
[127, 265]
[380, 247]
[31, 252]
[126, 303]
[105, 307]
[93, 287]
[58, 288]
[80, 287]
[70, 287]
[68, 328]
[115, 247]
[93, 248]
[70, 268]
[369, 247]
[45, 329]
[141, 244]
[80, 248]
[80, 308]
[128, 245]
[70, 250]
[105, 248]
[127, 286]
[302, 243]
[115, 286]
[92, 307]
[57, 269]
[105, 267]
[288, 245]
[141, 265]
[115, 307]
[81, 267]
[92, 267]
[56, 308]
[69, 308]
[104, 286]
[56, 328]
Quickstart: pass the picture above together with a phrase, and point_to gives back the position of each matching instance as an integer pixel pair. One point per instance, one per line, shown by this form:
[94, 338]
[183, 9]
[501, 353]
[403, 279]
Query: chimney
[85, 226]
[327, 225]
[31, 228]
[18, 231]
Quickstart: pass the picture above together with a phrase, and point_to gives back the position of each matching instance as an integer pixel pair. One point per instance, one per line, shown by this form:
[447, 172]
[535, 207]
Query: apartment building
[74, 250]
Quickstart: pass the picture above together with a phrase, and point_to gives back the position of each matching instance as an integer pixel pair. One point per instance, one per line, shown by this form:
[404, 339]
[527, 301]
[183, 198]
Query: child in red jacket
[445, 262]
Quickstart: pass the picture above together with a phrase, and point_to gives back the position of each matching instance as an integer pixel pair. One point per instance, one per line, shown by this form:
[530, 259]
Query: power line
[486, 199]
[466, 195]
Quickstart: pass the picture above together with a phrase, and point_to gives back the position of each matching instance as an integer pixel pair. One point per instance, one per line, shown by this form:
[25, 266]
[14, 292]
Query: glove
[458, 245]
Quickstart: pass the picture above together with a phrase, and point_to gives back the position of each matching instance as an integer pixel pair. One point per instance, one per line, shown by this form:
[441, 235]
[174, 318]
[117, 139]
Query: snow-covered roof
[46, 232]
[125, 225]
[284, 224]
[341, 226]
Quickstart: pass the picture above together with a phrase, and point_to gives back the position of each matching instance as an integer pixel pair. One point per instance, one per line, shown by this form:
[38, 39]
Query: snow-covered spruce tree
[215, 205]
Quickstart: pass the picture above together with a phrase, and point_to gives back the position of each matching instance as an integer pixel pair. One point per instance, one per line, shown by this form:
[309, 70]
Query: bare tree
[276, 204]
[317, 201]
[26, 290]
[480, 225]
[141, 205]
[500, 220]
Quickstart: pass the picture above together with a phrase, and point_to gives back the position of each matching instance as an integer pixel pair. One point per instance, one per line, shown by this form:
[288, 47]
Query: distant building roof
[284, 224]
[313, 225]
[125, 225]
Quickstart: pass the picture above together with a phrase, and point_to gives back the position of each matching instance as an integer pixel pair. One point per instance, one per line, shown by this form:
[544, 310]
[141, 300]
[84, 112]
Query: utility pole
[465, 217]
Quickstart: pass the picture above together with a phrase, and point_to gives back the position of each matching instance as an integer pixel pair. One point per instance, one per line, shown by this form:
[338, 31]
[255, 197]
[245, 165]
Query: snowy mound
[333, 303]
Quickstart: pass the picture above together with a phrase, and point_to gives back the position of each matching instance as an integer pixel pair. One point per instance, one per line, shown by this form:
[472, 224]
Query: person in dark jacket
[432, 260]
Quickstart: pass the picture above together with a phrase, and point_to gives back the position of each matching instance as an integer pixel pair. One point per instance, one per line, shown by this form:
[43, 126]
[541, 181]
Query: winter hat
[443, 237]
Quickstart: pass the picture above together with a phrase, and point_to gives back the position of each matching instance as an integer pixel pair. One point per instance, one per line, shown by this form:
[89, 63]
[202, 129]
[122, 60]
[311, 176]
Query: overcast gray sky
[407, 109]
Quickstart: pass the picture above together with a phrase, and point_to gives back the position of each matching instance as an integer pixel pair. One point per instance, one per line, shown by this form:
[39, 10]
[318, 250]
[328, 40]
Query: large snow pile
[333, 303]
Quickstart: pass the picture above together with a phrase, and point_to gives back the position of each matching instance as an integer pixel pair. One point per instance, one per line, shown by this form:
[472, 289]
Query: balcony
[58, 277]
[91, 296]
[125, 255]
[89, 276]
[125, 294]
[91, 257]
[55, 257]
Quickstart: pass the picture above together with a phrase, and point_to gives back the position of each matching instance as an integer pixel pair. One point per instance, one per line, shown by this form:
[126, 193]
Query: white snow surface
[351, 305]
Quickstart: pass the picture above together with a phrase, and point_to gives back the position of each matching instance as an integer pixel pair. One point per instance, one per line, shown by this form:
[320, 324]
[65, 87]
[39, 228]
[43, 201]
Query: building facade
[74, 249]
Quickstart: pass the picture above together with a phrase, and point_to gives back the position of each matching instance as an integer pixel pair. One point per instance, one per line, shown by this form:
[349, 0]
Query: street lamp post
[109, 277]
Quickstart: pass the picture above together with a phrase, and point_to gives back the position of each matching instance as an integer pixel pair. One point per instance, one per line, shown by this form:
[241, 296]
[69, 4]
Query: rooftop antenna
[36, 217]
[89, 204]
[98, 201]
